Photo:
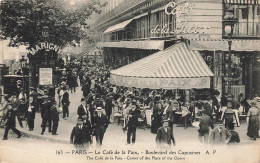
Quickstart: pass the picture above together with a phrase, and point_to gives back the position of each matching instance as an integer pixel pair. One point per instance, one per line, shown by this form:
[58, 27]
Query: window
[248, 20]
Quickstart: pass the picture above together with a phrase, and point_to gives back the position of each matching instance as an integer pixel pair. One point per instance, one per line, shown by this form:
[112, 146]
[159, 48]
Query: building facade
[136, 29]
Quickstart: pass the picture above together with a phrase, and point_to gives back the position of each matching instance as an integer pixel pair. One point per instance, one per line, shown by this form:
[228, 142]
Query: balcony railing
[247, 29]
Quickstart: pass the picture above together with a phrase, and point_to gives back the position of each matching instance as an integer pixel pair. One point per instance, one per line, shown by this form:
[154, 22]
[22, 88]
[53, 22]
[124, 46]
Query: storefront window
[248, 16]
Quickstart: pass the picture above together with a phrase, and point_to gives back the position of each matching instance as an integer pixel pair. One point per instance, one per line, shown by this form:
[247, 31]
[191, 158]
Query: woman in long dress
[253, 121]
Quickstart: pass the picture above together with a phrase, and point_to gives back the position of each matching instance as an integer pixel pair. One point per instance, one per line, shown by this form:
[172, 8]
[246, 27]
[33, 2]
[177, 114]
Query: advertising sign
[45, 76]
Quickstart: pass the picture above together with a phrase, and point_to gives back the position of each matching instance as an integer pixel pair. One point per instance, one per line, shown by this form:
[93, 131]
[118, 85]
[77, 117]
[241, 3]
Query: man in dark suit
[132, 123]
[108, 106]
[46, 115]
[164, 136]
[10, 116]
[85, 111]
[55, 117]
[31, 112]
[65, 103]
[207, 107]
[205, 123]
[80, 135]
[100, 124]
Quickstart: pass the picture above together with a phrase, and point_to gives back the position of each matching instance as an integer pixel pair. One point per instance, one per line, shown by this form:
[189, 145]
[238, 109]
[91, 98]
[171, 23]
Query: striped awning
[176, 67]
[118, 27]
[146, 44]
[250, 2]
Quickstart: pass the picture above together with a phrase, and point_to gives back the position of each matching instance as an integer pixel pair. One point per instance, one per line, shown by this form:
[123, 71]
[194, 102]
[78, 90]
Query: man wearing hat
[164, 136]
[31, 112]
[65, 103]
[46, 114]
[54, 117]
[207, 106]
[80, 135]
[132, 123]
[228, 115]
[219, 135]
[85, 111]
[100, 123]
[205, 123]
[10, 115]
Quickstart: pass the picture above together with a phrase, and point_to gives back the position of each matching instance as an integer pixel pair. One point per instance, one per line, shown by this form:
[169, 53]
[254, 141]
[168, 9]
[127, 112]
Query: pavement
[114, 135]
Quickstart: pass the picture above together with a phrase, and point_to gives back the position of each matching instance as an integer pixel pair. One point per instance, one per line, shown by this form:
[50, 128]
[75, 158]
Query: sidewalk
[64, 130]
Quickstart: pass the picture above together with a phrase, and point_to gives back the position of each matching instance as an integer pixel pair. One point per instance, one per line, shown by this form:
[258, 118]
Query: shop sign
[195, 28]
[178, 10]
[161, 83]
[45, 76]
[182, 9]
[164, 30]
[45, 45]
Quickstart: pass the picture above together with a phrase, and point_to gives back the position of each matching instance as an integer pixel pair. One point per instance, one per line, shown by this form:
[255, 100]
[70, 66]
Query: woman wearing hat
[253, 121]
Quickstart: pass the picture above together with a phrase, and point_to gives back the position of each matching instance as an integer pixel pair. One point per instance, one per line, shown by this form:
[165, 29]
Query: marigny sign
[45, 45]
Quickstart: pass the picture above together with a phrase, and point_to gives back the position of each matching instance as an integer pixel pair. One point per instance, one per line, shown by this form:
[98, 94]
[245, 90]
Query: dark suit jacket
[65, 99]
[54, 114]
[163, 137]
[80, 136]
[100, 124]
[82, 112]
[234, 137]
[133, 121]
[208, 109]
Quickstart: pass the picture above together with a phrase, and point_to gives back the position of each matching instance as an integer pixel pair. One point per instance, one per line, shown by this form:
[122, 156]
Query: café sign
[45, 46]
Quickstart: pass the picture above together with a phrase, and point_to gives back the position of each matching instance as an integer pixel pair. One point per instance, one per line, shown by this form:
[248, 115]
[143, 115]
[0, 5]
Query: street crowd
[103, 103]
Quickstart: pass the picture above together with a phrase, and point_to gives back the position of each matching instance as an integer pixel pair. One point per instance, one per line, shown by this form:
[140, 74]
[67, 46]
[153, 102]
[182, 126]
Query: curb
[45, 138]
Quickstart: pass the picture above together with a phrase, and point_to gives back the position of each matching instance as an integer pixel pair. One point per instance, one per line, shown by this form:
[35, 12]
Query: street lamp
[229, 22]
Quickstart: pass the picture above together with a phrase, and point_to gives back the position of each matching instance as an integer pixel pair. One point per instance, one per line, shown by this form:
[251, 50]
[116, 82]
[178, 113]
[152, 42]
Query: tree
[23, 21]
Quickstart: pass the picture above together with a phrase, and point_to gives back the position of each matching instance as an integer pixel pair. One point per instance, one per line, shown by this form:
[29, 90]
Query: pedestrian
[100, 123]
[85, 111]
[205, 123]
[10, 123]
[132, 123]
[31, 112]
[55, 117]
[46, 115]
[253, 121]
[207, 106]
[157, 117]
[228, 115]
[65, 103]
[164, 137]
[219, 135]
[108, 106]
[79, 135]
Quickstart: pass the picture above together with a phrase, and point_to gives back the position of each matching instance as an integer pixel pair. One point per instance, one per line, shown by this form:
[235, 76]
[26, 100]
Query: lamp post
[229, 22]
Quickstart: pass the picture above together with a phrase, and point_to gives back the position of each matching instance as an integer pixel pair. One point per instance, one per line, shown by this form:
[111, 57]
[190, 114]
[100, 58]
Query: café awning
[241, 2]
[146, 44]
[118, 27]
[176, 67]
[222, 45]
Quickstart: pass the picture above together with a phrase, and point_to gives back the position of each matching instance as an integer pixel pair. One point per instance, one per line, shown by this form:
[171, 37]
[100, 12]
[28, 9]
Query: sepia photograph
[156, 81]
